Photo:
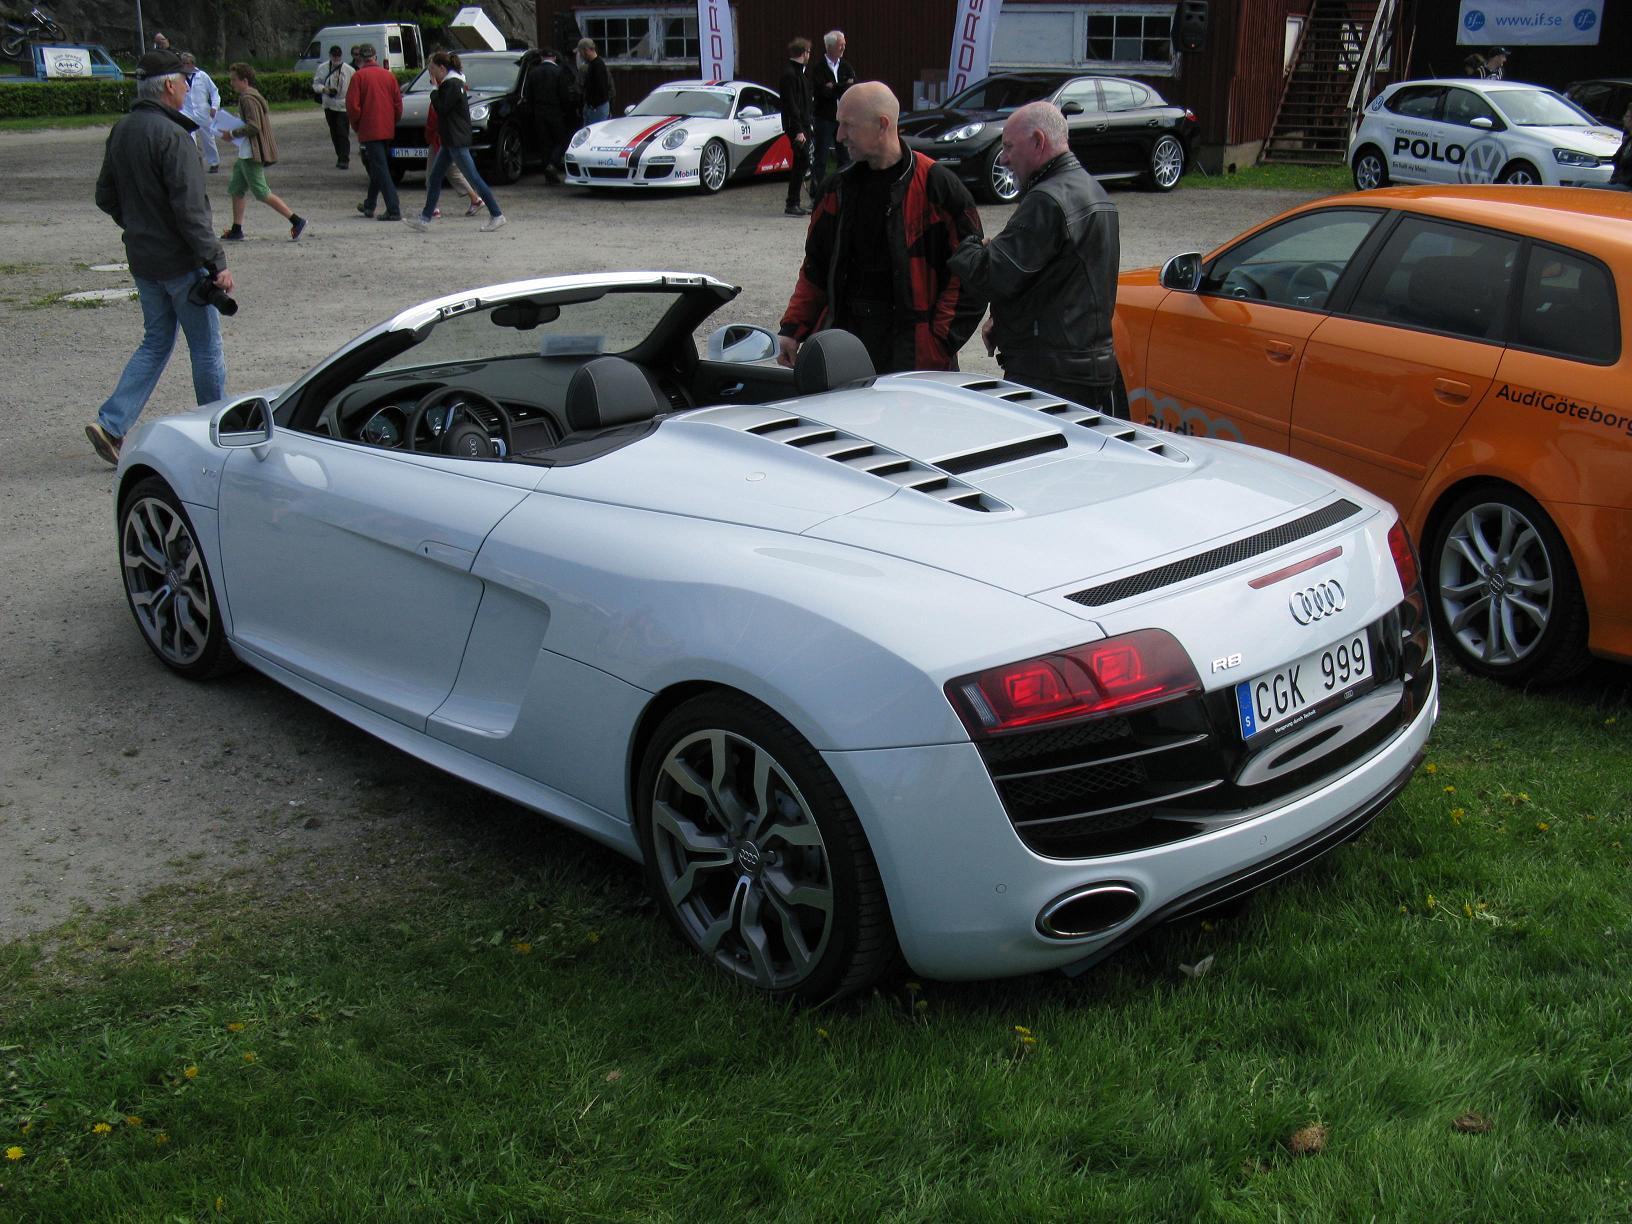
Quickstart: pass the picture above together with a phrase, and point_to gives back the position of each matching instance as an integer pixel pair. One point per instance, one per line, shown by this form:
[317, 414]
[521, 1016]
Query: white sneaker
[415, 222]
[494, 223]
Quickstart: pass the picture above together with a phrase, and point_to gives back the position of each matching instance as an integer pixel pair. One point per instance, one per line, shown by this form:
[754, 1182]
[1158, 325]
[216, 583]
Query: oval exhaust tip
[1086, 911]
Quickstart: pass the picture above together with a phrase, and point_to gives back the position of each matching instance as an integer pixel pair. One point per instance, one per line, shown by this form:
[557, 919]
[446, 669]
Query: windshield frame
[1499, 97]
[414, 87]
[726, 97]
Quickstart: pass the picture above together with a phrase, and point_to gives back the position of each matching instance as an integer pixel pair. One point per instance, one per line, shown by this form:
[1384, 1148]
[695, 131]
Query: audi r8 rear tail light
[1417, 636]
[1112, 676]
[1405, 557]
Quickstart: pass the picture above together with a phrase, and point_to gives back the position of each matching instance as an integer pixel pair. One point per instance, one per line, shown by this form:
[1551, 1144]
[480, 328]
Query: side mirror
[630, 109]
[1483, 122]
[750, 112]
[246, 423]
[1071, 108]
[741, 343]
[1183, 272]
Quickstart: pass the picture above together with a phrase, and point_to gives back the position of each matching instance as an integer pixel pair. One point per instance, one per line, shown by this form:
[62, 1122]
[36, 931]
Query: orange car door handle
[1279, 350]
[1449, 391]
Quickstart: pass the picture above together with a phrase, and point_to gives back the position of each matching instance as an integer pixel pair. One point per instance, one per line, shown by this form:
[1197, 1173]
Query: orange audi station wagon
[1461, 351]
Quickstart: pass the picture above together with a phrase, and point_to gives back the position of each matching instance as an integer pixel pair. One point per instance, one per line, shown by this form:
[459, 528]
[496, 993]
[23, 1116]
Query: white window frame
[1080, 13]
[653, 13]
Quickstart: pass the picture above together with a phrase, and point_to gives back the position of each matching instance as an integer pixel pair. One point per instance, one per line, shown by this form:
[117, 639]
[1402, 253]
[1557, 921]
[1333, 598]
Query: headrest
[1450, 292]
[830, 359]
[609, 391]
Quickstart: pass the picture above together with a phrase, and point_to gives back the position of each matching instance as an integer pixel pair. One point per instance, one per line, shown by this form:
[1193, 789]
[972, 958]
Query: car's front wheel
[1505, 595]
[755, 854]
[713, 166]
[1370, 169]
[1520, 174]
[997, 185]
[1166, 165]
[506, 161]
[167, 583]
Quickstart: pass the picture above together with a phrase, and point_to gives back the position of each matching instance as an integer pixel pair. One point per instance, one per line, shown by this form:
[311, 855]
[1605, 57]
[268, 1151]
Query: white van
[398, 45]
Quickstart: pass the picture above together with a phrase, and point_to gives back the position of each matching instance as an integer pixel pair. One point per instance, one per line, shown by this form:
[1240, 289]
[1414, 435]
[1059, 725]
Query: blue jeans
[594, 114]
[165, 306]
[377, 161]
[467, 166]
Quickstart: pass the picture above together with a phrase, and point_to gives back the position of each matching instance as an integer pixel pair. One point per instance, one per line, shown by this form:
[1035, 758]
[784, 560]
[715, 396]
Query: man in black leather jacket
[1051, 274]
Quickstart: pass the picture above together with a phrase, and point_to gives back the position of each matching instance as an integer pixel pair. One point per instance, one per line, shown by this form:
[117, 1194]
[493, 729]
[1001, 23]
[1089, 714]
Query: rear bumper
[965, 893]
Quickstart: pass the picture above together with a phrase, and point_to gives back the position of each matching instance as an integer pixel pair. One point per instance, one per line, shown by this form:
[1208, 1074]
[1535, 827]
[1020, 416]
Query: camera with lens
[205, 292]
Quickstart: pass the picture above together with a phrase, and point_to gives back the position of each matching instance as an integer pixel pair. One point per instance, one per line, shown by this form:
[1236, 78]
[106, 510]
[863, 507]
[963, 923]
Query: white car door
[350, 564]
[759, 132]
[1410, 132]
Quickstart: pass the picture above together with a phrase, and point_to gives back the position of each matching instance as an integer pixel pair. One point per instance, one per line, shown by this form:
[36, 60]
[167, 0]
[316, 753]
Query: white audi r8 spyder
[685, 134]
[928, 662]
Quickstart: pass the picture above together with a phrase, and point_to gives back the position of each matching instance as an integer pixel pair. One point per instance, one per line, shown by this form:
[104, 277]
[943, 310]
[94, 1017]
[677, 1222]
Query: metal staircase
[1340, 49]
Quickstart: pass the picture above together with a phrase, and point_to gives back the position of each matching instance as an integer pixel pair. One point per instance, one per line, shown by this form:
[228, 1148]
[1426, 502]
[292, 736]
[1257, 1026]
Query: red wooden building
[1259, 57]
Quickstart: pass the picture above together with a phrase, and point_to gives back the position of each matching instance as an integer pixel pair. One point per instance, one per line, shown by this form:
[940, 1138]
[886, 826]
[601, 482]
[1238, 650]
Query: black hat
[1498, 51]
[157, 64]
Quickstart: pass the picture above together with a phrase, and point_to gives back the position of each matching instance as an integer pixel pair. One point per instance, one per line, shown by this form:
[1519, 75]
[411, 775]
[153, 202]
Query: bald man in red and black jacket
[877, 250]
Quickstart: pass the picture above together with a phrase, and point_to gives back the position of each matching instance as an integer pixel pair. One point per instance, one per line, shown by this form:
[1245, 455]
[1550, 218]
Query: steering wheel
[1241, 285]
[1312, 280]
[464, 436]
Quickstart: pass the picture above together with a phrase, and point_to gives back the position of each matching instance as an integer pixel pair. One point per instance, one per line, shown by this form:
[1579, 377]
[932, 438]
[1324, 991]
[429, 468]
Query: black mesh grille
[1070, 787]
[1217, 558]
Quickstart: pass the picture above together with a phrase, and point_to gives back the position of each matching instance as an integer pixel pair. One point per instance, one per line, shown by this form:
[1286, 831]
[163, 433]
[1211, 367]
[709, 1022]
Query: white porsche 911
[685, 134]
[852, 664]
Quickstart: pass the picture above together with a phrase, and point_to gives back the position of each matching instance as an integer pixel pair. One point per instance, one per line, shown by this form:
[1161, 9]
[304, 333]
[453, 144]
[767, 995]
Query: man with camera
[152, 185]
[330, 83]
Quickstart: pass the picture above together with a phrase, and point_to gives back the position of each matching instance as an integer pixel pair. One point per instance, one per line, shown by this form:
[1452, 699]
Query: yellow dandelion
[521, 948]
[1430, 768]
[220, 1204]
[249, 1056]
[594, 937]
[14, 1153]
[1467, 910]
[1022, 1030]
[191, 1072]
[101, 1128]
[1610, 722]
[132, 1120]
[1457, 814]
[1431, 901]
[236, 1026]
[1542, 825]
[162, 1137]
[1450, 790]
[922, 1004]
[1523, 798]
[1028, 1041]
[823, 1034]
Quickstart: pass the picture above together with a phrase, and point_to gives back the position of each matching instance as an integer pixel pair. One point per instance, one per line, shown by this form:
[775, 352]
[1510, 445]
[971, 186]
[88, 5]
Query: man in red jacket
[374, 104]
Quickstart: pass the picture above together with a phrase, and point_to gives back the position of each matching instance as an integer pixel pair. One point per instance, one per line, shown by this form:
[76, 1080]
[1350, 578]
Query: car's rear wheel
[713, 166]
[998, 184]
[1505, 595]
[508, 157]
[167, 583]
[1520, 174]
[755, 854]
[1166, 165]
[1370, 168]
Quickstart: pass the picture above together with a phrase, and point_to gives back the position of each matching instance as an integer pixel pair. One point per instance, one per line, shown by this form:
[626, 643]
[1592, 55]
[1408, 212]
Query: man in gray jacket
[152, 185]
[1051, 274]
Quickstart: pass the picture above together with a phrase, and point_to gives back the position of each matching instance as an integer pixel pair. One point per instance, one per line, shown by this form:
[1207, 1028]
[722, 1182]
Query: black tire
[1167, 162]
[1370, 168]
[12, 48]
[167, 582]
[713, 167]
[1520, 173]
[508, 157]
[1468, 599]
[742, 862]
[997, 184]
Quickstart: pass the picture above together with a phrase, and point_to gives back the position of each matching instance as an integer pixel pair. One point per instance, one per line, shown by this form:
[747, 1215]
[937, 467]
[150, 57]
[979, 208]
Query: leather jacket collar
[1060, 161]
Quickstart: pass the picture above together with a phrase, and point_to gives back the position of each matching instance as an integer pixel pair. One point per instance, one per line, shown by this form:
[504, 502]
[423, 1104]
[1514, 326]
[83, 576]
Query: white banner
[971, 43]
[716, 41]
[66, 61]
[1530, 23]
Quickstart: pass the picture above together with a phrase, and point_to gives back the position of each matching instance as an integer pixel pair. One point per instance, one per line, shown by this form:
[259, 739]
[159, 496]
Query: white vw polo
[1465, 131]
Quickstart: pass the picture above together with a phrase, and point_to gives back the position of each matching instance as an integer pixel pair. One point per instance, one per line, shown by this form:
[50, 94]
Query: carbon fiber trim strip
[1216, 558]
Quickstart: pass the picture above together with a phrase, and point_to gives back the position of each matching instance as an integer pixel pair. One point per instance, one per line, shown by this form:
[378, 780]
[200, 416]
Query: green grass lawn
[1328, 179]
[1430, 1024]
[40, 123]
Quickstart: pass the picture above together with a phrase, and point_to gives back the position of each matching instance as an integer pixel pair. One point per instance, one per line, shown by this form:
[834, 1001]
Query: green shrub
[107, 97]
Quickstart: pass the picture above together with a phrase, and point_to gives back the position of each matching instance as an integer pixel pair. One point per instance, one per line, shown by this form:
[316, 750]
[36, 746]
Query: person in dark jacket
[830, 77]
[1051, 273]
[877, 251]
[452, 105]
[1620, 178]
[550, 94]
[152, 185]
[796, 119]
[595, 83]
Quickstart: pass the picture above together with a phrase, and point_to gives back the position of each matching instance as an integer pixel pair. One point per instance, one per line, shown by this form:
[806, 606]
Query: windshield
[1001, 94]
[1540, 108]
[692, 103]
[481, 76]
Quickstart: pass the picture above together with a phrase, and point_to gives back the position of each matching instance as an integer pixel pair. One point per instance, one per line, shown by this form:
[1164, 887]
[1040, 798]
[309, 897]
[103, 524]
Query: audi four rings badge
[1323, 599]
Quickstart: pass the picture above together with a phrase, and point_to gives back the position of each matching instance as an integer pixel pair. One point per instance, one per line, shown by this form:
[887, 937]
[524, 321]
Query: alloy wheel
[741, 858]
[1496, 584]
[1368, 172]
[714, 167]
[164, 574]
[1004, 185]
[1167, 162]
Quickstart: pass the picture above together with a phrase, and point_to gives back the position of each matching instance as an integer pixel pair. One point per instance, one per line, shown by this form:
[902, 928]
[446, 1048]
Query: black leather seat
[831, 359]
[610, 391]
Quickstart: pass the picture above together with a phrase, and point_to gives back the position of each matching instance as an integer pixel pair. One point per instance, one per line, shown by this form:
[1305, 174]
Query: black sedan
[1605, 100]
[1120, 129]
[503, 140]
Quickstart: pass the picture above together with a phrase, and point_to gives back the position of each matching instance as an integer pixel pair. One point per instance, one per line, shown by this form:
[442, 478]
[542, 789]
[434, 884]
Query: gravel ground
[115, 777]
